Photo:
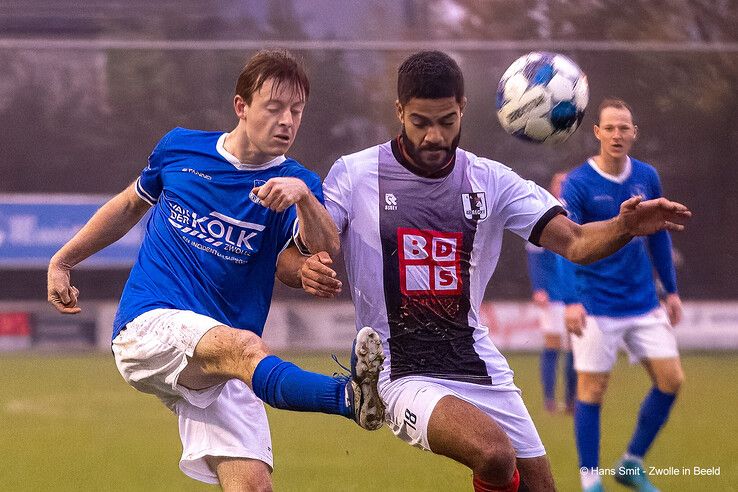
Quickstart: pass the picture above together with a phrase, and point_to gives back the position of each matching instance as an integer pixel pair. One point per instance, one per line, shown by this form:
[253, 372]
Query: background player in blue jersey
[548, 277]
[619, 295]
[427, 218]
[229, 211]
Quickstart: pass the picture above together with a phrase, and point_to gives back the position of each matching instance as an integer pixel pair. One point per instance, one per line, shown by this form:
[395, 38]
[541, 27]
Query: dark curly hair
[429, 75]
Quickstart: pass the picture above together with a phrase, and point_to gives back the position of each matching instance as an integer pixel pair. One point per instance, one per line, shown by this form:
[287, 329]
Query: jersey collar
[620, 178]
[241, 166]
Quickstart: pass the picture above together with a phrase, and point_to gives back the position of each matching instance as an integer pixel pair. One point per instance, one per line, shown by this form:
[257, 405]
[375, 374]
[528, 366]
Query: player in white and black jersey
[421, 224]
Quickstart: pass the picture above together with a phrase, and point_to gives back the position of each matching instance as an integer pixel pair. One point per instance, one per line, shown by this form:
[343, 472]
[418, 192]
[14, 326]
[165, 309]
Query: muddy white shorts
[647, 336]
[410, 401]
[223, 420]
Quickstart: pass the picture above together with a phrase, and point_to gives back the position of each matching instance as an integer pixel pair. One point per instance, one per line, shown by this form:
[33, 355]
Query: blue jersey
[623, 283]
[209, 246]
[548, 272]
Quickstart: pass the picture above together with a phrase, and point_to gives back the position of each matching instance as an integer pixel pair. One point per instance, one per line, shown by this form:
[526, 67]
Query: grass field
[71, 423]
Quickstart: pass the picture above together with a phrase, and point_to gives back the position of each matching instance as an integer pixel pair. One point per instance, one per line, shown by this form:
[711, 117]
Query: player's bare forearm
[584, 244]
[597, 240]
[288, 267]
[317, 229]
[110, 223]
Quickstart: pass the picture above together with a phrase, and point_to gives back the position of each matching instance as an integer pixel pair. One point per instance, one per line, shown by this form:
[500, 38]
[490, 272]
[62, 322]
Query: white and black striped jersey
[419, 253]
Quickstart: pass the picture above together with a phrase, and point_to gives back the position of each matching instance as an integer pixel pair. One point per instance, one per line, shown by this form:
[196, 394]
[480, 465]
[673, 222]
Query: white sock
[589, 478]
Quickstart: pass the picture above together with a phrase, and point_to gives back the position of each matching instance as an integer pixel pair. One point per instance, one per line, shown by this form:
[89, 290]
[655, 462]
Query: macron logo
[390, 201]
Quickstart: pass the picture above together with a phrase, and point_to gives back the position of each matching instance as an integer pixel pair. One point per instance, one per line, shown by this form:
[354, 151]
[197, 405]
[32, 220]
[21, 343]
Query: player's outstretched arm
[110, 223]
[590, 242]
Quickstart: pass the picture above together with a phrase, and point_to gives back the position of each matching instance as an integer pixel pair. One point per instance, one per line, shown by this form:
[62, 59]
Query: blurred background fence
[87, 89]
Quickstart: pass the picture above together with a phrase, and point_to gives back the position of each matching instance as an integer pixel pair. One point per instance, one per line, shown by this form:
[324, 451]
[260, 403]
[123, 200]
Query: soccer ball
[541, 97]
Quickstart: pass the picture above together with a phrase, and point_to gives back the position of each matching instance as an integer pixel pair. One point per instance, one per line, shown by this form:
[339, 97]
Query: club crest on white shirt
[475, 205]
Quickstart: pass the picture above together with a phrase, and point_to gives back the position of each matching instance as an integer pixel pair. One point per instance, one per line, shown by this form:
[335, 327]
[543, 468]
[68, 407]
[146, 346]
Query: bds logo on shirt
[430, 262]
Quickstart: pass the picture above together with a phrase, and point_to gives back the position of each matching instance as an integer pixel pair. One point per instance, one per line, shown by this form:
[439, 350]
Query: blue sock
[587, 433]
[549, 360]
[654, 412]
[282, 384]
[571, 379]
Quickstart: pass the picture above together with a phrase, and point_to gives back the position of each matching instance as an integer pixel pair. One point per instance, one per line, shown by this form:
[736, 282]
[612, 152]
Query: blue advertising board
[33, 227]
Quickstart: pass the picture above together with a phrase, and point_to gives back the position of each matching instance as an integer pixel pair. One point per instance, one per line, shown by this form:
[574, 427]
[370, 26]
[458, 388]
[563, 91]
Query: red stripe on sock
[482, 486]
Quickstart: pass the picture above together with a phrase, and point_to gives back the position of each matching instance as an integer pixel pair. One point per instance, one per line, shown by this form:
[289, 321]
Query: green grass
[71, 423]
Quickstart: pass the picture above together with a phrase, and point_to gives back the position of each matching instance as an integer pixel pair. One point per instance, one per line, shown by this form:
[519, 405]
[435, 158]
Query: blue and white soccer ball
[542, 97]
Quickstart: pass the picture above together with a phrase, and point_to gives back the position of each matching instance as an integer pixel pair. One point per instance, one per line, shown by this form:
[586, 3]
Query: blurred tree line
[82, 120]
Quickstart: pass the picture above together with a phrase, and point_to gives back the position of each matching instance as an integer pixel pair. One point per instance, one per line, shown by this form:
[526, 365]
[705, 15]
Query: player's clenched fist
[280, 193]
[60, 293]
[318, 278]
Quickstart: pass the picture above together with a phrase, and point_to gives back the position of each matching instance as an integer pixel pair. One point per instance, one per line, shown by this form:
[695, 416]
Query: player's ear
[398, 109]
[462, 105]
[635, 131]
[596, 131]
[240, 106]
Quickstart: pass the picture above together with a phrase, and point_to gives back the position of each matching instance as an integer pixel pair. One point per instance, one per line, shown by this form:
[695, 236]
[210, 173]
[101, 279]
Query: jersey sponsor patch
[475, 205]
[216, 232]
[430, 262]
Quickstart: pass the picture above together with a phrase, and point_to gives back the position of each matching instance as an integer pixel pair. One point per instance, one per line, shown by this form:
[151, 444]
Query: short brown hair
[280, 65]
[614, 102]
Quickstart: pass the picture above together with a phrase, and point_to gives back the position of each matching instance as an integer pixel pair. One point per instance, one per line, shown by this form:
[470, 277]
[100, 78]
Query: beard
[415, 152]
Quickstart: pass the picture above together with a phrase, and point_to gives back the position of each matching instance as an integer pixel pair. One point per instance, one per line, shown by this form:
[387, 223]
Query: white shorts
[551, 319]
[647, 336]
[223, 420]
[410, 402]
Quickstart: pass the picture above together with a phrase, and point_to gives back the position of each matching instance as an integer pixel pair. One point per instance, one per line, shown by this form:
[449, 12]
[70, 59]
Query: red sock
[482, 486]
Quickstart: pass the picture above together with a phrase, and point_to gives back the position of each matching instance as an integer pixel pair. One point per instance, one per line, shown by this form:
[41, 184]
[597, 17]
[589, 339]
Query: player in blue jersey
[618, 301]
[427, 218]
[548, 281]
[228, 212]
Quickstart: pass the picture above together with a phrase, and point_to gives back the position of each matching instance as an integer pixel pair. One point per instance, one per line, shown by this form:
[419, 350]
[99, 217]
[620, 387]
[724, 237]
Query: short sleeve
[337, 189]
[149, 184]
[524, 206]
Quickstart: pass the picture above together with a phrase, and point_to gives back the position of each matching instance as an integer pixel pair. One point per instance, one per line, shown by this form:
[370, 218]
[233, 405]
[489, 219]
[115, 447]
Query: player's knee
[673, 383]
[592, 389]
[496, 463]
[229, 352]
[250, 347]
